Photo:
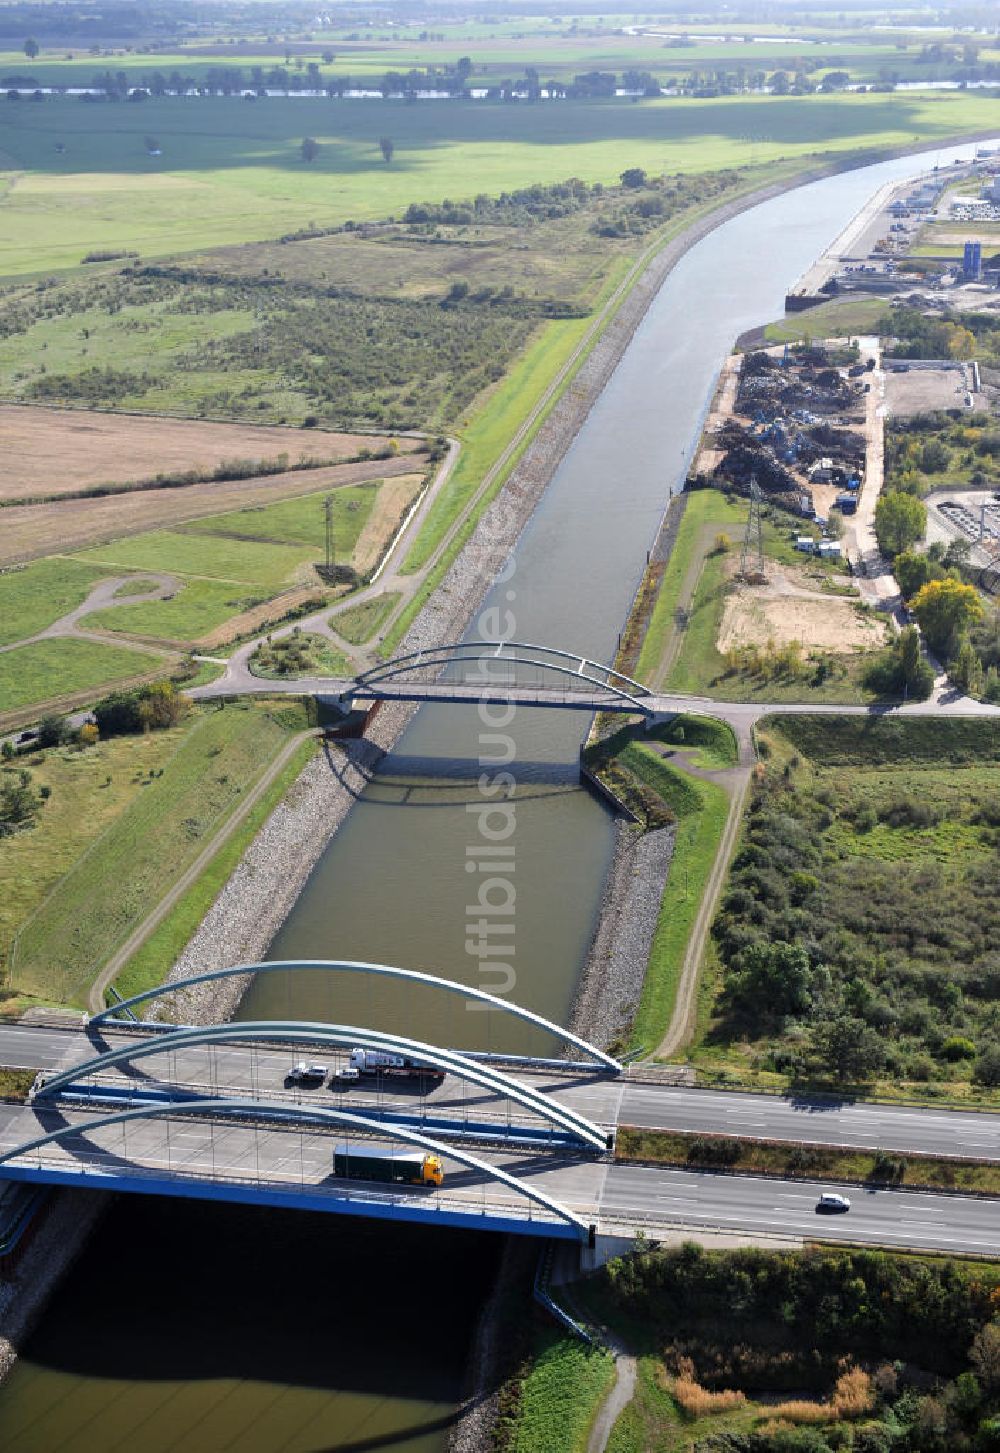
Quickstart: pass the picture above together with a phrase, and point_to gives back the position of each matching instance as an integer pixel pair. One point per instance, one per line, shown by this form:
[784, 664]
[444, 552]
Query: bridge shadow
[283, 1299]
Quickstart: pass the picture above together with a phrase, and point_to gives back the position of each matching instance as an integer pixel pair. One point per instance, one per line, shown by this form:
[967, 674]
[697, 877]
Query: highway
[636, 1101]
[296, 1162]
[813, 1120]
[884, 1217]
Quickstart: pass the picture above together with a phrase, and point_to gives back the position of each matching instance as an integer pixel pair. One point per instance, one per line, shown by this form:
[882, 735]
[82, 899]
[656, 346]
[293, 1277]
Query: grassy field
[701, 809]
[840, 319]
[358, 623]
[150, 964]
[110, 888]
[57, 668]
[301, 654]
[230, 562]
[680, 650]
[231, 172]
[32, 598]
[82, 806]
[909, 1004]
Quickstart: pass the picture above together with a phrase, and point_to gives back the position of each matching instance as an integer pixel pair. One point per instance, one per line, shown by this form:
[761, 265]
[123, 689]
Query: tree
[966, 671]
[31, 48]
[309, 149]
[18, 804]
[52, 731]
[918, 678]
[946, 609]
[774, 979]
[88, 734]
[633, 176]
[913, 570]
[849, 1047]
[387, 147]
[900, 521]
[984, 1354]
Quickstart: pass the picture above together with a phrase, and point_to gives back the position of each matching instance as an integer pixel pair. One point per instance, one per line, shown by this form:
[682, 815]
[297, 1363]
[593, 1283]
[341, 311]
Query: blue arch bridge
[475, 1139]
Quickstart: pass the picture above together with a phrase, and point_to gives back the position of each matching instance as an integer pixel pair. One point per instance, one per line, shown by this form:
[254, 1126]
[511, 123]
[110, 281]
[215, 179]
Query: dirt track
[54, 451]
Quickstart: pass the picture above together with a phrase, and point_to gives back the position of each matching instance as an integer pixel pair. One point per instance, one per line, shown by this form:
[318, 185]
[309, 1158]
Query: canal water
[205, 1328]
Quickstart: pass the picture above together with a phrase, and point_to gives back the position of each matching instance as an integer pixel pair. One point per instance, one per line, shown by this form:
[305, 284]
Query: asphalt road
[917, 1219]
[607, 1102]
[813, 1121]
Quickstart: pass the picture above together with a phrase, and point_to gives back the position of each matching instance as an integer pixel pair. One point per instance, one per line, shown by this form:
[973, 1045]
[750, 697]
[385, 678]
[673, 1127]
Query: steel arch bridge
[386, 1203]
[610, 689]
[596, 1057]
[584, 1132]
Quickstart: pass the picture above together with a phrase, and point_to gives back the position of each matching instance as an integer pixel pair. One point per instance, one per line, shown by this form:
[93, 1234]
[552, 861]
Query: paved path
[104, 596]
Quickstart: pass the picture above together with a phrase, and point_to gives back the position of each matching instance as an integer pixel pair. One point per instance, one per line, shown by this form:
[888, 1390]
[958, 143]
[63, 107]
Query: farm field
[58, 668]
[159, 828]
[30, 531]
[54, 451]
[230, 172]
[810, 980]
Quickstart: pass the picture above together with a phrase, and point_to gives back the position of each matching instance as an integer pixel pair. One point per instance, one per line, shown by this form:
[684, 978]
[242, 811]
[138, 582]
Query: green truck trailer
[385, 1163]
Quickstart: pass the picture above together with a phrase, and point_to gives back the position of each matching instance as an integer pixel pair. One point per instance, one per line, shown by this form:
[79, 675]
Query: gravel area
[612, 979]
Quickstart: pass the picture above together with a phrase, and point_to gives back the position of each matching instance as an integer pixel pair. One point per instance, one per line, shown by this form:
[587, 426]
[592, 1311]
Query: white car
[303, 1074]
[831, 1201]
[346, 1075]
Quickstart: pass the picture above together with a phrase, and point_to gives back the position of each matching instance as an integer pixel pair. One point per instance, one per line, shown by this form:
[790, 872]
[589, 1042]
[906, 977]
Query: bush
[52, 731]
[957, 1048]
[88, 735]
[987, 1071]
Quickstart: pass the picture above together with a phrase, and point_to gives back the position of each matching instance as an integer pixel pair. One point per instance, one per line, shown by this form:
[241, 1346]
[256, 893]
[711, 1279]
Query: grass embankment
[151, 963]
[558, 1396]
[662, 794]
[55, 669]
[358, 623]
[840, 319]
[116, 877]
[795, 1161]
[220, 182]
[855, 943]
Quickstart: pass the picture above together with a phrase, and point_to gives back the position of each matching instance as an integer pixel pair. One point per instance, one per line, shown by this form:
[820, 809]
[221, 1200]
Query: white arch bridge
[519, 673]
[210, 1112]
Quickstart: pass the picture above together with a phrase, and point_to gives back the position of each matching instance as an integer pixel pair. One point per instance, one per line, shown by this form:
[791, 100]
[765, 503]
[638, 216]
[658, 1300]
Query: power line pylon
[328, 509]
[753, 535]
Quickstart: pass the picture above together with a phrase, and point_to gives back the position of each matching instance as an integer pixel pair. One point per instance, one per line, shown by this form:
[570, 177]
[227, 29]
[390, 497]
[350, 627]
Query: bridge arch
[520, 653]
[389, 971]
[483, 1075]
[320, 1114]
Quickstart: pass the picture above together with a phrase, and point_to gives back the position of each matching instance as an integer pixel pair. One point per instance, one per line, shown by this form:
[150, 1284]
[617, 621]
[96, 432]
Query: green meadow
[229, 562]
[231, 170]
[51, 669]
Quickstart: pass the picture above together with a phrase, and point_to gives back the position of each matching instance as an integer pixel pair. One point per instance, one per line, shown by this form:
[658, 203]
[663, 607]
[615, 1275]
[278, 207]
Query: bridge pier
[658, 718]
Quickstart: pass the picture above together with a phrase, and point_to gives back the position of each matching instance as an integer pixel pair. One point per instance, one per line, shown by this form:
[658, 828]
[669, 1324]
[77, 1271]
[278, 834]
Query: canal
[194, 1328]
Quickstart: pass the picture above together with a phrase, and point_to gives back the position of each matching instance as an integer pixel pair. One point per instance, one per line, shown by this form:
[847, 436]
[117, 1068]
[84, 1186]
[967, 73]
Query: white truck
[397, 1066]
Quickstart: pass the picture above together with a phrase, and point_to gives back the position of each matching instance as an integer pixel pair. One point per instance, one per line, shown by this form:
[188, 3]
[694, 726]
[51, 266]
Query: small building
[830, 550]
[806, 544]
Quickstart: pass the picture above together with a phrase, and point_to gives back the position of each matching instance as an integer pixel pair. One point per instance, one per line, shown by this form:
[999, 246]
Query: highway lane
[812, 1120]
[615, 1196]
[606, 1101]
[922, 1220]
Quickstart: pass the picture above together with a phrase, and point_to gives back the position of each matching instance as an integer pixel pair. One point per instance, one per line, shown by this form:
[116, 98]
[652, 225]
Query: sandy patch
[786, 610]
[388, 512]
[55, 451]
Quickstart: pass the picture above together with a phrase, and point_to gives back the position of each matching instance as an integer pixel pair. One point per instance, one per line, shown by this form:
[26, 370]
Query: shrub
[957, 1048]
[88, 734]
[987, 1071]
[698, 1401]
